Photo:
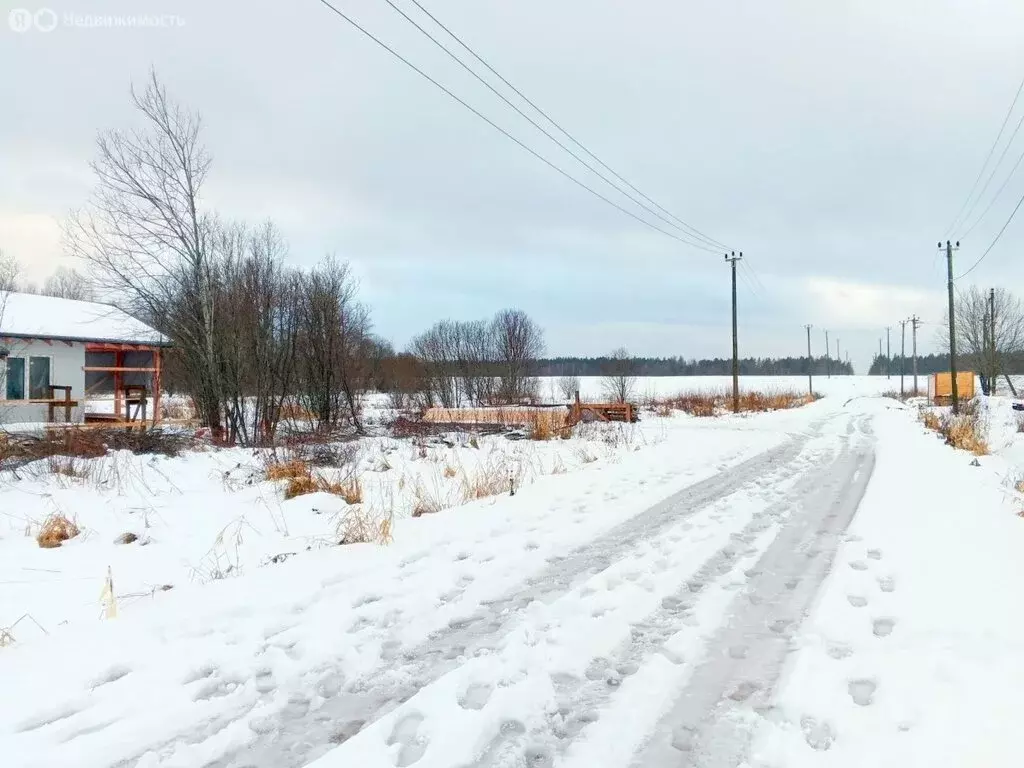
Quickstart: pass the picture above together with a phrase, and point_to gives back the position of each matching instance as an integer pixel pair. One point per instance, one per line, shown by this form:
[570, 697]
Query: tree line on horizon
[679, 366]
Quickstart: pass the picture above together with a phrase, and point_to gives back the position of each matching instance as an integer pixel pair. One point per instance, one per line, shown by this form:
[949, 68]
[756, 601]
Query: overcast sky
[833, 142]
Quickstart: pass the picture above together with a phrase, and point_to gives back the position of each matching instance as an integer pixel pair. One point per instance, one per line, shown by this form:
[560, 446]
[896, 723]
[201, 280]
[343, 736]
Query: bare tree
[334, 345]
[437, 349]
[569, 385]
[147, 239]
[256, 349]
[9, 272]
[68, 283]
[518, 343]
[975, 346]
[620, 376]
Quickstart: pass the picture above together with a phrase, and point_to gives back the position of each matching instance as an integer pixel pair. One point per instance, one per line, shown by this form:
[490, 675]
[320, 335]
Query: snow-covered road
[675, 617]
[724, 598]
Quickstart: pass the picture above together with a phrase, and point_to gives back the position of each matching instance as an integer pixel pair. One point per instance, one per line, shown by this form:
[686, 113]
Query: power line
[996, 196]
[753, 273]
[988, 157]
[993, 243]
[715, 247]
[693, 230]
[502, 131]
[995, 168]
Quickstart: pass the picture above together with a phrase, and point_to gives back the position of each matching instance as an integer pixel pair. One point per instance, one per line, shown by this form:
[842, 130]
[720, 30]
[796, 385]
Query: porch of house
[122, 383]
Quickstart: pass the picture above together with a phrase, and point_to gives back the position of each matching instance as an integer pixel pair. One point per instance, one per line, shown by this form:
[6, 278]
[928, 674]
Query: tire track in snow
[703, 595]
[291, 742]
[714, 719]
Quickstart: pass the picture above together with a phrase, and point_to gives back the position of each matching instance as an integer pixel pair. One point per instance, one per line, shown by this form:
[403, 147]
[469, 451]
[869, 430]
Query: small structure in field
[57, 355]
[940, 387]
[553, 419]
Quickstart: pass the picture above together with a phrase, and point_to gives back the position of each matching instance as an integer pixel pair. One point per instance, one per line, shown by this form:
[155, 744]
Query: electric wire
[695, 232]
[341, 14]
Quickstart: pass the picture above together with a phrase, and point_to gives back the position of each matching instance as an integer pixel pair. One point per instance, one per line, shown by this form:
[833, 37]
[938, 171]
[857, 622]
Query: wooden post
[156, 385]
[118, 393]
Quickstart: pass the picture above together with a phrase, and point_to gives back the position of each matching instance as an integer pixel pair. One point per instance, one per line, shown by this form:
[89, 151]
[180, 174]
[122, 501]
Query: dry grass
[67, 466]
[287, 470]
[295, 412]
[963, 431]
[707, 404]
[542, 428]
[302, 480]
[361, 526]
[450, 471]
[56, 529]
[1020, 422]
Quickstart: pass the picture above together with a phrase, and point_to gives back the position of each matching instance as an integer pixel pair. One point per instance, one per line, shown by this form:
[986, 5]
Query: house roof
[27, 315]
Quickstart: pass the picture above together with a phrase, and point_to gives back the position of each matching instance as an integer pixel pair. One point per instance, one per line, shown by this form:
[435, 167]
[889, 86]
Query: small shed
[940, 387]
[76, 361]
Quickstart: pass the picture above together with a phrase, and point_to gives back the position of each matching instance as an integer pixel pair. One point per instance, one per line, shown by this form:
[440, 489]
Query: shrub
[67, 466]
[56, 529]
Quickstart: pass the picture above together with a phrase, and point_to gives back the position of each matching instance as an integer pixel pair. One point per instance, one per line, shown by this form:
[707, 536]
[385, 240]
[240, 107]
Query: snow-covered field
[649, 387]
[830, 585]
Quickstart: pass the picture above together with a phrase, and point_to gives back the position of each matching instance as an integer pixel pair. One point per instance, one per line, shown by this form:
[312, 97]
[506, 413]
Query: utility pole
[828, 358]
[914, 322]
[879, 355]
[735, 343]
[839, 357]
[952, 323]
[810, 362]
[992, 340]
[888, 354]
[903, 353]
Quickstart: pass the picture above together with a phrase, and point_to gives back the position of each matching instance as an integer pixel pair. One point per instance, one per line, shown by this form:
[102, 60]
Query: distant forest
[1009, 363]
[678, 366]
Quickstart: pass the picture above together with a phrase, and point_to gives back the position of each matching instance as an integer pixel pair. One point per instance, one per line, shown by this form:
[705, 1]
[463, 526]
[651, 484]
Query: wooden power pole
[903, 353]
[888, 354]
[810, 362]
[732, 259]
[828, 358]
[994, 375]
[952, 325]
[839, 357]
[914, 322]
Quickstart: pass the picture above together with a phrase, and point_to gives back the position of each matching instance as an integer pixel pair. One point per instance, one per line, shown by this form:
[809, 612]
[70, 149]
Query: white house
[56, 354]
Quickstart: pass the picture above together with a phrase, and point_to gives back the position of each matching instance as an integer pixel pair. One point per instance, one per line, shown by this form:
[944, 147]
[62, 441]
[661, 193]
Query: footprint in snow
[857, 601]
[887, 584]
[861, 691]
[875, 554]
[858, 565]
[476, 696]
[819, 736]
[406, 734]
[883, 627]
[838, 651]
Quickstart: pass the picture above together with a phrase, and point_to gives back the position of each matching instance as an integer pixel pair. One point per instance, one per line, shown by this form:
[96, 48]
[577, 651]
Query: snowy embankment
[914, 654]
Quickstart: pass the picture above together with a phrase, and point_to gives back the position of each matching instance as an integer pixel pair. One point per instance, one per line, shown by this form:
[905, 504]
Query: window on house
[38, 378]
[15, 378]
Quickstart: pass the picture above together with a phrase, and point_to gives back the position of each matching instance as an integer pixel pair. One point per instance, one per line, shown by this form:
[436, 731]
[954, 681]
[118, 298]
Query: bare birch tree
[518, 342]
[68, 283]
[147, 238]
[619, 380]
